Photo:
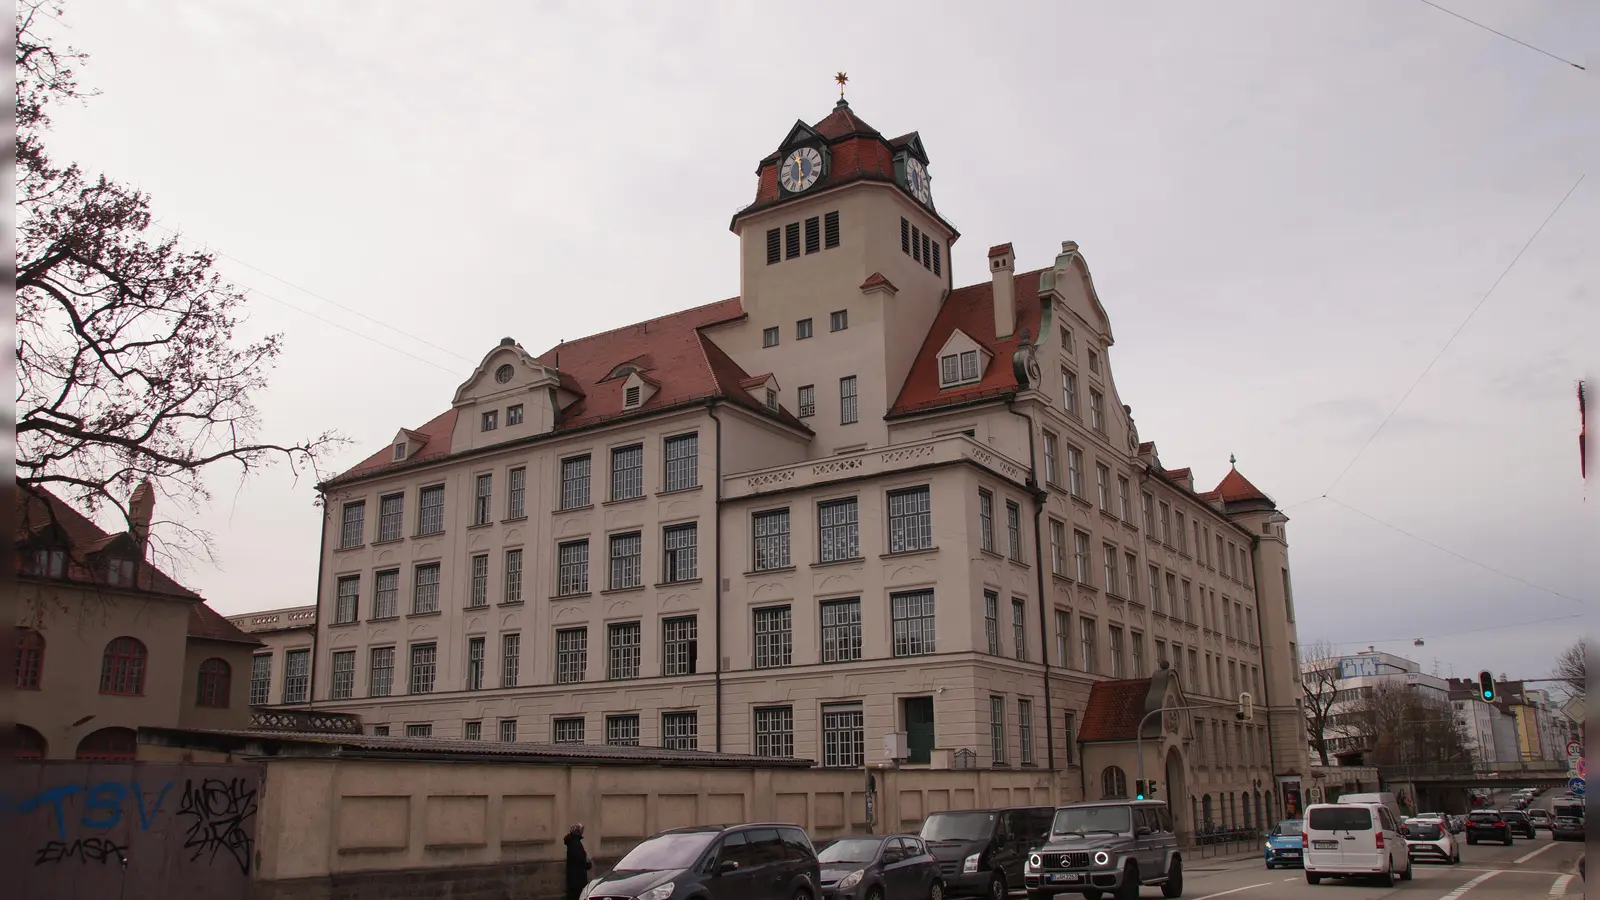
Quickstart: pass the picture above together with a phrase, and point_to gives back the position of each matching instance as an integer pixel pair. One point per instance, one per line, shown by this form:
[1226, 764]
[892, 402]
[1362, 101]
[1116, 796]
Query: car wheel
[1129, 889]
[875, 894]
[802, 894]
[1472, 840]
[1313, 878]
[1387, 878]
[1174, 885]
[936, 890]
[1406, 875]
[1091, 895]
[997, 888]
[1509, 841]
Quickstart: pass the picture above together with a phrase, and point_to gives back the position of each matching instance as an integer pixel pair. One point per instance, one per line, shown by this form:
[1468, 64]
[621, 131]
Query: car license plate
[1065, 879]
[1325, 845]
[1289, 852]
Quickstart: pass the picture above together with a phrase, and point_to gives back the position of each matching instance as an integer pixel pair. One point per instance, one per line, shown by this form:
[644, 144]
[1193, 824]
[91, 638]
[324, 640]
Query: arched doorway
[1176, 787]
[109, 744]
[30, 744]
[1205, 812]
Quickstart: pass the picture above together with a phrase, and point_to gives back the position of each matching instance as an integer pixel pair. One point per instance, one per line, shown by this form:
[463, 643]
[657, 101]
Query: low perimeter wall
[360, 829]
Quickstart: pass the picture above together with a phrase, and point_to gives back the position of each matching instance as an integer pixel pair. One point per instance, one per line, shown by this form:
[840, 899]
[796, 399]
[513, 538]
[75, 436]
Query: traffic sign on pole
[1575, 785]
[1583, 767]
[1574, 748]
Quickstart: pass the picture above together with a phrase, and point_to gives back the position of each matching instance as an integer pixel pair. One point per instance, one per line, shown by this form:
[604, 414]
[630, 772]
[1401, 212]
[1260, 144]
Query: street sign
[1575, 785]
[1574, 748]
[1583, 768]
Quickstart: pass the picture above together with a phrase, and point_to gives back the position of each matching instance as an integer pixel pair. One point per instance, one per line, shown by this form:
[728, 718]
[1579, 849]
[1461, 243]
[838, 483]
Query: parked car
[1284, 846]
[737, 862]
[1567, 828]
[1539, 818]
[1488, 825]
[1458, 824]
[1354, 839]
[1520, 824]
[873, 867]
[981, 852]
[1112, 846]
[1430, 840]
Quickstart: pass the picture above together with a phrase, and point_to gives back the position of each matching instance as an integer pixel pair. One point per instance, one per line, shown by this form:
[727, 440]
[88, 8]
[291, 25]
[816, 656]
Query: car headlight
[1101, 857]
[970, 865]
[1269, 846]
[659, 892]
[851, 880]
[588, 888]
[1034, 862]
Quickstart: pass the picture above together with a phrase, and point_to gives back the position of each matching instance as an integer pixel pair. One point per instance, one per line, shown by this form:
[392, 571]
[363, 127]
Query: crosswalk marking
[1527, 856]
[1453, 895]
[1235, 890]
[1560, 887]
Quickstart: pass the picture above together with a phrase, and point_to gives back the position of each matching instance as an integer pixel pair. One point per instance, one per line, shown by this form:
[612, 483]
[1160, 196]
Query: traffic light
[1486, 686]
[1151, 793]
[1138, 791]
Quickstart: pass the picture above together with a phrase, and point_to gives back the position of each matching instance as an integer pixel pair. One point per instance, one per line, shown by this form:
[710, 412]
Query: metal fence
[1218, 841]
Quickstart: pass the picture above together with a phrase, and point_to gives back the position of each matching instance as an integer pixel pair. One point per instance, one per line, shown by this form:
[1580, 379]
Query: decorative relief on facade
[677, 509]
[513, 535]
[904, 454]
[835, 583]
[421, 629]
[342, 639]
[838, 466]
[509, 620]
[567, 613]
[385, 556]
[475, 624]
[380, 634]
[622, 517]
[619, 607]
[572, 525]
[992, 575]
[767, 479]
[769, 590]
[675, 600]
[904, 574]
[426, 551]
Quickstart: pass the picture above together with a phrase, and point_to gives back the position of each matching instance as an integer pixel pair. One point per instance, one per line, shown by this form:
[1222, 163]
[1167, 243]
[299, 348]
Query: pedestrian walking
[578, 862]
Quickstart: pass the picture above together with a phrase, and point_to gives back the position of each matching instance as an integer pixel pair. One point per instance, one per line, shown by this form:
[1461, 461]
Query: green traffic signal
[1486, 686]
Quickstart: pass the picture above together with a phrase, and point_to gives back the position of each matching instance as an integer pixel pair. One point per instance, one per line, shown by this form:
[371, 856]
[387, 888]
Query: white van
[1353, 839]
[1384, 799]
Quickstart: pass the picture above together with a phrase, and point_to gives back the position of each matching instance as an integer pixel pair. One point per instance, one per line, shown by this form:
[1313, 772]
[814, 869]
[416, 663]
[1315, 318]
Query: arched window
[216, 678]
[30, 744]
[122, 667]
[1247, 819]
[1205, 810]
[109, 744]
[1113, 783]
[30, 659]
[1261, 816]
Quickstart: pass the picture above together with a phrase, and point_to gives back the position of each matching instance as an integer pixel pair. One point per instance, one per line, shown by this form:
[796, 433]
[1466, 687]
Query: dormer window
[491, 420]
[772, 399]
[958, 368]
[48, 562]
[514, 415]
[399, 452]
[630, 397]
[119, 571]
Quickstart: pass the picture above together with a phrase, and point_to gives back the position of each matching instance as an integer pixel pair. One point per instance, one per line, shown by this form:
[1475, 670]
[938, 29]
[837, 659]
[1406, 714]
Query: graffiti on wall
[217, 811]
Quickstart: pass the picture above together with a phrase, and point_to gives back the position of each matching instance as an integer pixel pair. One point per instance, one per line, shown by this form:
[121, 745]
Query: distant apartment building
[855, 503]
[1490, 731]
[1354, 678]
[280, 669]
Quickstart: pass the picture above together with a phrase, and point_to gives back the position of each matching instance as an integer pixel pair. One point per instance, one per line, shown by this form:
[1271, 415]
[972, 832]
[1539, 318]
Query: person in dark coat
[578, 862]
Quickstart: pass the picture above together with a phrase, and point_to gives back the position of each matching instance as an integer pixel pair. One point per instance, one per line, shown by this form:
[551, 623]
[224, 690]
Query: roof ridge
[659, 318]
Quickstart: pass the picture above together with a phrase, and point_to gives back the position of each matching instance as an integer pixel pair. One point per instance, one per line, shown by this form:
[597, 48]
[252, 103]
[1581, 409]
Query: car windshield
[1340, 818]
[849, 850]
[1516, 815]
[1085, 819]
[968, 826]
[667, 851]
[1484, 817]
[1288, 827]
[1423, 831]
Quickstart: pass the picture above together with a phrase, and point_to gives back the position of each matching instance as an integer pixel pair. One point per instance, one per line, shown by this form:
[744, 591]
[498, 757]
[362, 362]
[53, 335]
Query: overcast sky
[1288, 208]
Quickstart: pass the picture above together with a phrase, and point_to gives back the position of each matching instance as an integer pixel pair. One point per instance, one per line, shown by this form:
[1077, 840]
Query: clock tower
[844, 261]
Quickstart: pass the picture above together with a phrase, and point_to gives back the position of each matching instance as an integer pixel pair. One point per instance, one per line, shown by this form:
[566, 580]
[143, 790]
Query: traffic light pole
[1138, 736]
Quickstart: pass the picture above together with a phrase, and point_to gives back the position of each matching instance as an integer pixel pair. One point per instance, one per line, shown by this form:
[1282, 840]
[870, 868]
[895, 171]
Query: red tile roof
[970, 309]
[38, 509]
[207, 624]
[1000, 250]
[876, 279]
[684, 365]
[843, 122]
[1114, 710]
[1235, 487]
[1176, 474]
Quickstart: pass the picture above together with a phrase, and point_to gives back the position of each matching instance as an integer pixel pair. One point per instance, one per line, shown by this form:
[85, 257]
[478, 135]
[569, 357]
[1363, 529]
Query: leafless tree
[127, 363]
[1319, 668]
[1401, 725]
[1572, 669]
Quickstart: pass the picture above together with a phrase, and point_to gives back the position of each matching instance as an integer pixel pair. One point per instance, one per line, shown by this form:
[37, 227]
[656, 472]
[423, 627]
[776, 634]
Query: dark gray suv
[1113, 846]
[715, 862]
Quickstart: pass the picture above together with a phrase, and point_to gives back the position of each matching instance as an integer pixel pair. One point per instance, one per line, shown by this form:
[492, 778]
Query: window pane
[430, 516]
[841, 630]
[627, 472]
[913, 623]
[572, 655]
[910, 520]
[626, 571]
[624, 650]
[424, 667]
[296, 676]
[774, 637]
[680, 547]
[380, 680]
[683, 462]
[839, 535]
[575, 482]
[680, 646]
[772, 540]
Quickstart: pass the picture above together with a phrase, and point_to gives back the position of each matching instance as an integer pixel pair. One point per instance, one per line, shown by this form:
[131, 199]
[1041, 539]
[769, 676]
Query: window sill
[351, 547]
[427, 534]
[776, 570]
[991, 553]
[425, 615]
[572, 509]
[479, 526]
[839, 562]
[1080, 500]
[118, 694]
[395, 540]
[472, 606]
[622, 590]
[664, 584]
[903, 553]
[1087, 586]
[685, 490]
[382, 619]
[510, 519]
[350, 624]
[558, 597]
[1060, 578]
[619, 501]
[1109, 516]
[1016, 562]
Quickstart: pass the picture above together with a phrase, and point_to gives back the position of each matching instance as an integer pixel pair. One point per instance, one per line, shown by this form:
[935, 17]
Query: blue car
[1284, 845]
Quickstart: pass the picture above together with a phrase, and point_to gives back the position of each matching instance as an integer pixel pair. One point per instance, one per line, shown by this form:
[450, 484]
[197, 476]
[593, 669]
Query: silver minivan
[1354, 839]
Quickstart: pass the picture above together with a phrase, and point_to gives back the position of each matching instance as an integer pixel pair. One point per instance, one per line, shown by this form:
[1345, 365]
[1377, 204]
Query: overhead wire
[1503, 34]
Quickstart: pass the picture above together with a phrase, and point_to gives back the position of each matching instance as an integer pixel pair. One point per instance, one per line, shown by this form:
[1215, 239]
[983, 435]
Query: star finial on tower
[841, 78]
[1233, 460]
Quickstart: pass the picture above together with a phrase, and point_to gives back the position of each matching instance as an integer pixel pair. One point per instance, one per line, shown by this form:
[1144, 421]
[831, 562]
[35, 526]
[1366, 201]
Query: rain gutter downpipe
[716, 542]
[1040, 495]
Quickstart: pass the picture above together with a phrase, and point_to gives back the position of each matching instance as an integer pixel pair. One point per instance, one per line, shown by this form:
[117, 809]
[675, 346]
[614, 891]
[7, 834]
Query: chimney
[1001, 269]
[140, 507]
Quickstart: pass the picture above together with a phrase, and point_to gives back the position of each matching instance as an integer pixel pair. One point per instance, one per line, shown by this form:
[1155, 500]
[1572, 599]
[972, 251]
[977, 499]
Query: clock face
[917, 180]
[800, 169]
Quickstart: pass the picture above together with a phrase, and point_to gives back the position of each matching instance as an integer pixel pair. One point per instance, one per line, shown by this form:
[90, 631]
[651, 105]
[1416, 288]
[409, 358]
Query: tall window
[1013, 531]
[997, 730]
[844, 736]
[567, 730]
[627, 472]
[425, 589]
[514, 576]
[1074, 471]
[1052, 466]
[472, 731]
[774, 637]
[1182, 528]
[1173, 609]
[682, 462]
[847, 400]
[986, 520]
[1097, 410]
[214, 684]
[1102, 477]
[122, 667]
[424, 667]
[1147, 505]
[1069, 729]
[913, 623]
[572, 655]
[841, 630]
[296, 676]
[478, 595]
[1125, 498]
[626, 569]
[1155, 589]
[475, 663]
[517, 493]
[1019, 631]
[1117, 670]
[680, 731]
[839, 320]
[680, 552]
[910, 520]
[1130, 572]
[807, 402]
[483, 499]
[380, 673]
[1058, 548]
[775, 731]
[353, 528]
[261, 679]
[1063, 638]
[510, 659]
[1112, 576]
[386, 594]
[344, 675]
[1069, 391]
[1166, 524]
[622, 731]
[430, 510]
[622, 649]
[508, 731]
[1080, 557]
[772, 540]
[1086, 645]
[1025, 730]
[572, 568]
[575, 482]
[347, 595]
[680, 645]
[1113, 784]
[991, 621]
[838, 530]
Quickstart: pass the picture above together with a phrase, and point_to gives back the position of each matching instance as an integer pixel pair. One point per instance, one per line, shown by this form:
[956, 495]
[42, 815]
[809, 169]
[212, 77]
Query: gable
[800, 133]
[505, 370]
[962, 360]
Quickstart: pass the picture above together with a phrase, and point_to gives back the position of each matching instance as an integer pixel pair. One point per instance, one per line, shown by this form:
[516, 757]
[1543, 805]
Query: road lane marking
[1560, 887]
[1236, 890]
[1471, 884]
[1527, 856]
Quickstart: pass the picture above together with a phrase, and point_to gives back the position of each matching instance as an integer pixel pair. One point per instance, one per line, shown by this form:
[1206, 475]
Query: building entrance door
[918, 715]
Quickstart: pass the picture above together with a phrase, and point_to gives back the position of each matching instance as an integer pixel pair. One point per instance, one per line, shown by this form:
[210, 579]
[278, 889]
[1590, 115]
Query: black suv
[981, 851]
[733, 862]
[1488, 825]
[1520, 823]
[1113, 846]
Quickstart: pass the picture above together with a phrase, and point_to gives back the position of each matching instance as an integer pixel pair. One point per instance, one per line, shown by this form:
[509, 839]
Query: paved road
[1527, 870]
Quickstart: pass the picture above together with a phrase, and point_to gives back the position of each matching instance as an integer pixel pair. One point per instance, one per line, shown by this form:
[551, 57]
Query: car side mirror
[726, 866]
[1141, 831]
